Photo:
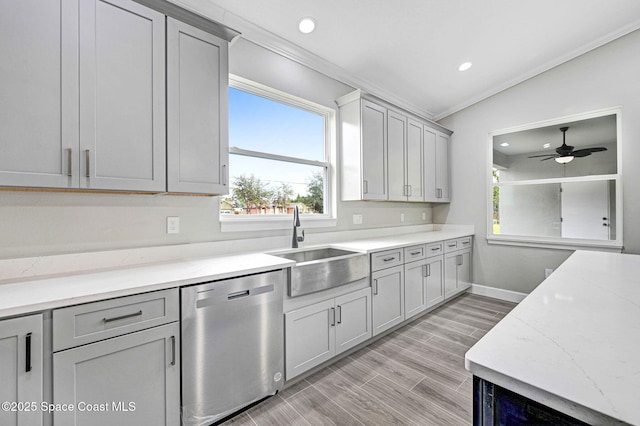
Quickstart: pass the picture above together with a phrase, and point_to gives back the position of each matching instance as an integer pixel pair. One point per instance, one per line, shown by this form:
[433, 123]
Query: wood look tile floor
[413, 376]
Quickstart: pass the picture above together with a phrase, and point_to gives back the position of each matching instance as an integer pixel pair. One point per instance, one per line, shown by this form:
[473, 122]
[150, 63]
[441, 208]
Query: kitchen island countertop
[573, 343]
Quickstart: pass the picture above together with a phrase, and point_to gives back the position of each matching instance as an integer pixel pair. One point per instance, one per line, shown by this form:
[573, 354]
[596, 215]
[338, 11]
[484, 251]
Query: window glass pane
[261, 186]
[581, 210]
[260, 124]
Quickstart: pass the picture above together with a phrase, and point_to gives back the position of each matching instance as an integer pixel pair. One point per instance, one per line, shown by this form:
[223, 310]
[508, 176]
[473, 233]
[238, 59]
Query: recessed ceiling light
[465, 66]
[504, 144]
[307, 25]
[546, 145]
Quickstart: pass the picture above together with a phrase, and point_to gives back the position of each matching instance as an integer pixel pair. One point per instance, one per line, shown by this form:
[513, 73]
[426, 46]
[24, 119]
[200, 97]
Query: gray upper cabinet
[122, 96]
[197, 110]
[436, 166]
[38, 93]
[21, 366]
[363, 149]
[84, 102]
[389, 155]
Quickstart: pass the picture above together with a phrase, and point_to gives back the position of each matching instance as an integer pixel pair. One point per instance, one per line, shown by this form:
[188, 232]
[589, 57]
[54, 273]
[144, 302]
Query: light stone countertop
[32, 294]
[573, 344]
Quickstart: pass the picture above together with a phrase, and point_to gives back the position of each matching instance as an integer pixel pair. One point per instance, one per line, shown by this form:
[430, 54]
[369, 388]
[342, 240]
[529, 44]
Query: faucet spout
[296, 223]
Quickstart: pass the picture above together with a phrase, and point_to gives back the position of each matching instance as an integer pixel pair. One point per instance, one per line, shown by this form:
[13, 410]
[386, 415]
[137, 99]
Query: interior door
[585, 210]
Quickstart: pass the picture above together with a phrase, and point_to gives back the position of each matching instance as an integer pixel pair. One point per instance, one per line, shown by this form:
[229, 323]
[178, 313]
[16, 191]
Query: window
[279, 158]
[557, 184]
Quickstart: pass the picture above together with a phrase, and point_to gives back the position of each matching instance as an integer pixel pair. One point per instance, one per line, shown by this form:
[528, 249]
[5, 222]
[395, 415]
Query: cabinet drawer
[386, 259]
[414, 253]
[435, 249]
[91, 322]
[464, 242]
[451, 245]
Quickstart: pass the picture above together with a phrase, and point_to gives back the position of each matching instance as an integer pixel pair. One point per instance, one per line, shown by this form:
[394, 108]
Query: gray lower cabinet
[435, 281]
[128, 380]
[415, 289]
[197, 104]
[118, 361]
[388, 298]
[457, 272]
[316, 333]
[21, 366]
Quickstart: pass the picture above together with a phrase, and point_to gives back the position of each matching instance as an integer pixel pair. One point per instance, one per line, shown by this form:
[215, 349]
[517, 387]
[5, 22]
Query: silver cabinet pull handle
[435, 249]
[135, 314]
[414, 253]
[69, 162]
[339, 314]
[460, 260]
[28, 353]
[173, 350]
[428, 270]
[375, 287]
[388, 259]
[365, 188]
[224, 174]
[87, 154]
[424, 270]
[333, 317]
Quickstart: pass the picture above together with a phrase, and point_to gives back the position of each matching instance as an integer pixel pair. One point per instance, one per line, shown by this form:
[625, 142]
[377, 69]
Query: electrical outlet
[173, 225]
[424, 215]
[547, 272]
[357, 219]
[401, 217]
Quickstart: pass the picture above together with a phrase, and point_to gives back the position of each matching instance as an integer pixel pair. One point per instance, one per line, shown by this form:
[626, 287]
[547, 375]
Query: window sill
[247, 223]
[556, 243]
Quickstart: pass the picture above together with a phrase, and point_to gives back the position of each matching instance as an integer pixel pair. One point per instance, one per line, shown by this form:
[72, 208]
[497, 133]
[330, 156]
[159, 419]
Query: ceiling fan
[565, 153]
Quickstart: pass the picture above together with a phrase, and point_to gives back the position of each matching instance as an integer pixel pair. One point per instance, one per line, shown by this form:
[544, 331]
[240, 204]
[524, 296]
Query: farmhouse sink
[322, 268]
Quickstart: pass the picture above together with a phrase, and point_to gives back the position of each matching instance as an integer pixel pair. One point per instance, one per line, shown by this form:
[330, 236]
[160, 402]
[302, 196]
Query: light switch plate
[357, 219]
[173, 225]
[424, 215]
[401, 217]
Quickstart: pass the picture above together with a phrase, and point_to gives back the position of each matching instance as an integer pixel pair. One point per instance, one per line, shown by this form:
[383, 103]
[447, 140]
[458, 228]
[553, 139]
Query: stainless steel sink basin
[322, 268]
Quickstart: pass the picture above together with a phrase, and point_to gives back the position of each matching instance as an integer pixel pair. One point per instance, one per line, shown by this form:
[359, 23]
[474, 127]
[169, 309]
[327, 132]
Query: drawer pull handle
[69, 162]
[333, 317]
[375, 287]
[435, 249]
[28, 353]
[388, 259]
[339, 314]
[135, 314]
[173, 350]
[451, 245]
[414, 253]
[88, 161]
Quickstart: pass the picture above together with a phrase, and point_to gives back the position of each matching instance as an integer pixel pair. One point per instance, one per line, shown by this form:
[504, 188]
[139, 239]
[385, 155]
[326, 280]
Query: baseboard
[497, 293]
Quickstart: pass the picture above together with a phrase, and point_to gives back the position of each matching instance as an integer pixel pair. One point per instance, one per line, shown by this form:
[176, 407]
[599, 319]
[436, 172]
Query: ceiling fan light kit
[565, 153]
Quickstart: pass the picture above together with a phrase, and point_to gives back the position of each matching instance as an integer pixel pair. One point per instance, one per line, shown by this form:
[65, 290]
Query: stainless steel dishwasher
[232, 345]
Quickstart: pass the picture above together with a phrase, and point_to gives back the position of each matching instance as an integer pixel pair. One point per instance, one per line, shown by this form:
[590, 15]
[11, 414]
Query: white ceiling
[408, 51]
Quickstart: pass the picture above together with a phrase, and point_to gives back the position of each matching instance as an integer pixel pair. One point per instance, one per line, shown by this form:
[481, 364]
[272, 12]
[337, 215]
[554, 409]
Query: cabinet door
[197, 80]
[309, 337]
[430, 162]
[38, 93]
[132, 380]
[414, 288]
[414, 161]
[464, 269]
[450, 273]
[396, 144]
[122, 96]
[443, 191]
[374, 152]
[388, 298]
[434, 282]
[21, 369]
[353, 319]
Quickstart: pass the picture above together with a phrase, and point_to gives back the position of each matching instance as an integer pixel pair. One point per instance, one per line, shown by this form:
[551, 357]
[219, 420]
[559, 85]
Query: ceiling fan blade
[549, 158]
[543, 155]
[581, 153]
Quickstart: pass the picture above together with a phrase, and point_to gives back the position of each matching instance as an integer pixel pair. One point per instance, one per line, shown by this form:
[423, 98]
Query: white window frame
[553, 242]
[240, 223]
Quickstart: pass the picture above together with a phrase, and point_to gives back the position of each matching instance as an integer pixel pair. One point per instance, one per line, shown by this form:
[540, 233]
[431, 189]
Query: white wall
[605, 77]
[41, 223]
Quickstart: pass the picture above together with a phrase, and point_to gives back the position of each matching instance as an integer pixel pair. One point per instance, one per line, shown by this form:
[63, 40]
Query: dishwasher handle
[213, 297]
